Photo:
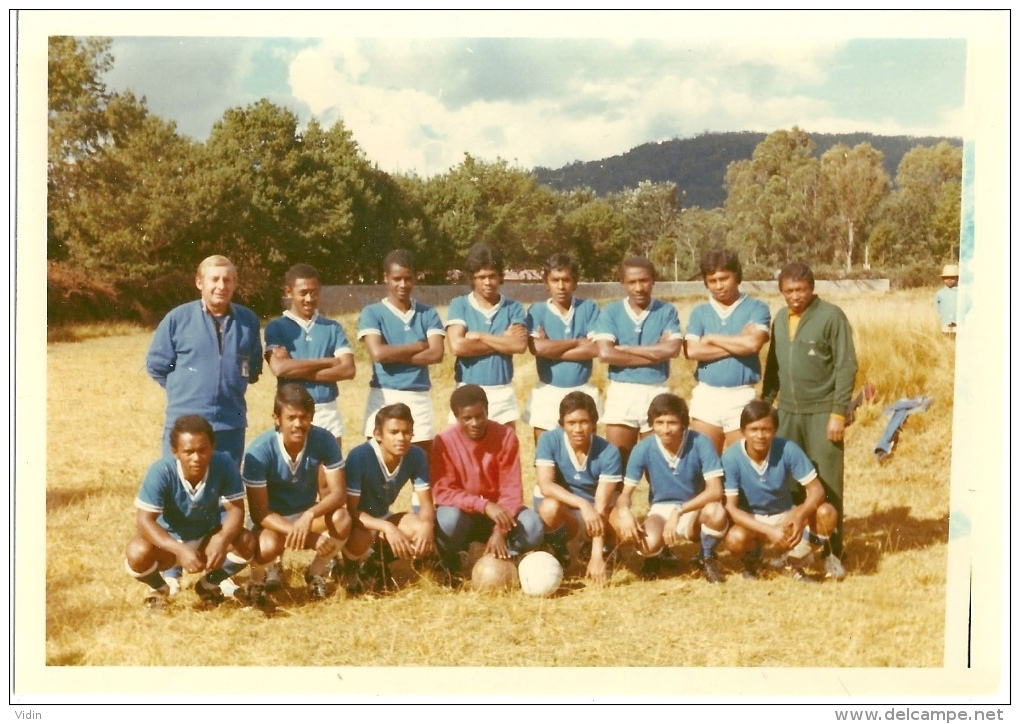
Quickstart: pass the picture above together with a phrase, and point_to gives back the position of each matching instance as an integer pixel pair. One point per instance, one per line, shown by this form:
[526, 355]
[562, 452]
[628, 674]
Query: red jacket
[468, 474]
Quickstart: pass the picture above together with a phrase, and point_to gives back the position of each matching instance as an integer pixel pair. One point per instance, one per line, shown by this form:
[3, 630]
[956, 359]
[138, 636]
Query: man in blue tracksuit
[204, 354]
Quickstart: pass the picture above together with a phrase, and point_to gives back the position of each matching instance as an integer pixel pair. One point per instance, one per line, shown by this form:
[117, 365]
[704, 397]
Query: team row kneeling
[302, 494]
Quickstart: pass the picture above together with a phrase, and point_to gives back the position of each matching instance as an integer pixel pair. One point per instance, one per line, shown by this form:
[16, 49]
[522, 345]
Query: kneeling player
[758, 496]
[280, 472]
[377, 471]
[685, 481]
[578, 473]
[179, 519]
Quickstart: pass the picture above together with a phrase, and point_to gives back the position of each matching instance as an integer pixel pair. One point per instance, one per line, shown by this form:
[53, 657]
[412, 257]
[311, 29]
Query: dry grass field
[104, 421]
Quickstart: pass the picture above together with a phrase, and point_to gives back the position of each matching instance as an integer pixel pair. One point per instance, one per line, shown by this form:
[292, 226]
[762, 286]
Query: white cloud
[592, 99]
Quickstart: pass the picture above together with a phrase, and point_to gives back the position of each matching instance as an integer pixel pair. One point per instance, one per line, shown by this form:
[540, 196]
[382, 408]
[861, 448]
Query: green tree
[78, 126]
[699, 230]
[497, 204]
[119, 178]
[771, 200]
[651, 211]
[596, 234]
[130, 218]
[924, 207]
[851, 184]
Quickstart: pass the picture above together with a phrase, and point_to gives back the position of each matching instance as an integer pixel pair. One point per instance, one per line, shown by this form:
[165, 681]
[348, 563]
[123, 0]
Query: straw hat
[950, 270]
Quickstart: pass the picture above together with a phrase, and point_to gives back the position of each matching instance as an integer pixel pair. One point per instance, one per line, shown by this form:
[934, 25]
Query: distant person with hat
[945, 299]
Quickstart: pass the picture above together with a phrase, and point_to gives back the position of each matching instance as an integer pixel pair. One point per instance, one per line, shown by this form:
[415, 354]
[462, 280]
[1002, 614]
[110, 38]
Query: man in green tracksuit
[810, 371]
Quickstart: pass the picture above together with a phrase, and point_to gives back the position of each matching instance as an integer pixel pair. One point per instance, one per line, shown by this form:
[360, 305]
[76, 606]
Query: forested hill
[698, 165]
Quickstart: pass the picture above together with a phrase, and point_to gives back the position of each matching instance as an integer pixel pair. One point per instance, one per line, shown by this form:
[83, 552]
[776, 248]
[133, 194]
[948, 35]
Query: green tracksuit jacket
[814, 372]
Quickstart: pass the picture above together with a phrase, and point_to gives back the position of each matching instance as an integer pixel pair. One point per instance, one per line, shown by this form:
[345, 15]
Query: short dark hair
[300, 271]
[561, 261]
[637, 262]
[483, 256]
[758, 410]
[396, 411]
[577, 400]
[721, 260]
[669, 404]
[796, 271]
[292, 394]
[466, 396]
[191, 425]
[398, 257]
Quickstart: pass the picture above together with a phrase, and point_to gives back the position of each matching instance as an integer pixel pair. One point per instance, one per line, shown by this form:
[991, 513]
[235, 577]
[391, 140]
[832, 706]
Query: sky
[416, 103]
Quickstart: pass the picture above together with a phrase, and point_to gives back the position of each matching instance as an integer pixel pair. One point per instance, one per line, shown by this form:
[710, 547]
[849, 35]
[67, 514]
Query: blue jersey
[487, 369]
[189, 512]
[292, 487]
[316, 338]
[376, 486]
[674, 480]
[602, 466]
[578, 323]
[619, 323]
[398, 328]
[714, 318]
[765, 490]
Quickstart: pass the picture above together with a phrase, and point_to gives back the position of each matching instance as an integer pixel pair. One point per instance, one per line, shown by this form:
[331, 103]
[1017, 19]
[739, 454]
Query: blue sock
[152, 579]
[708, 545]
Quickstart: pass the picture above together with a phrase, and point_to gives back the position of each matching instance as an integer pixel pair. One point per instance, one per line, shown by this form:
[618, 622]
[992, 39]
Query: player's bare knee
[826, 519]
[358, 544]
[714, 516]
[244, 543]
[549, 512]
[270, 545]
[342, 523]
[738, 540]
[140, 554]
[653, 534]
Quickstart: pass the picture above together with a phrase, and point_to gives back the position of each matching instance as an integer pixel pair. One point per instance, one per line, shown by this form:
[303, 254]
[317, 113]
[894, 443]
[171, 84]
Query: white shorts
[327, 415]
[418, 400]
[720, 406]
[685, 527]
[803, 547]
[502, 403]
[627, 404]
[543, 407]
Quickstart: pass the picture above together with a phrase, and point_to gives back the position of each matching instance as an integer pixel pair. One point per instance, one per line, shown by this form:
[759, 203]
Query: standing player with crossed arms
[485, 330]
[724, 335]
[636, 337]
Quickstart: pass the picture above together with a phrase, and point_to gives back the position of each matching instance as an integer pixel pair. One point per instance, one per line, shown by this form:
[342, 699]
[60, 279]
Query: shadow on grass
[83, 332]
[870, 538]
[62, 497]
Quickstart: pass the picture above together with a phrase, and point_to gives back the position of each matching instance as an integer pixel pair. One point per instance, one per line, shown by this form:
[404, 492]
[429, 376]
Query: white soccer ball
[540, 574]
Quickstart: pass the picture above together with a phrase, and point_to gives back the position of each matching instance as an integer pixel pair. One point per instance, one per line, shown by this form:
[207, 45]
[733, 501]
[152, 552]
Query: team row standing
[637, 337]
